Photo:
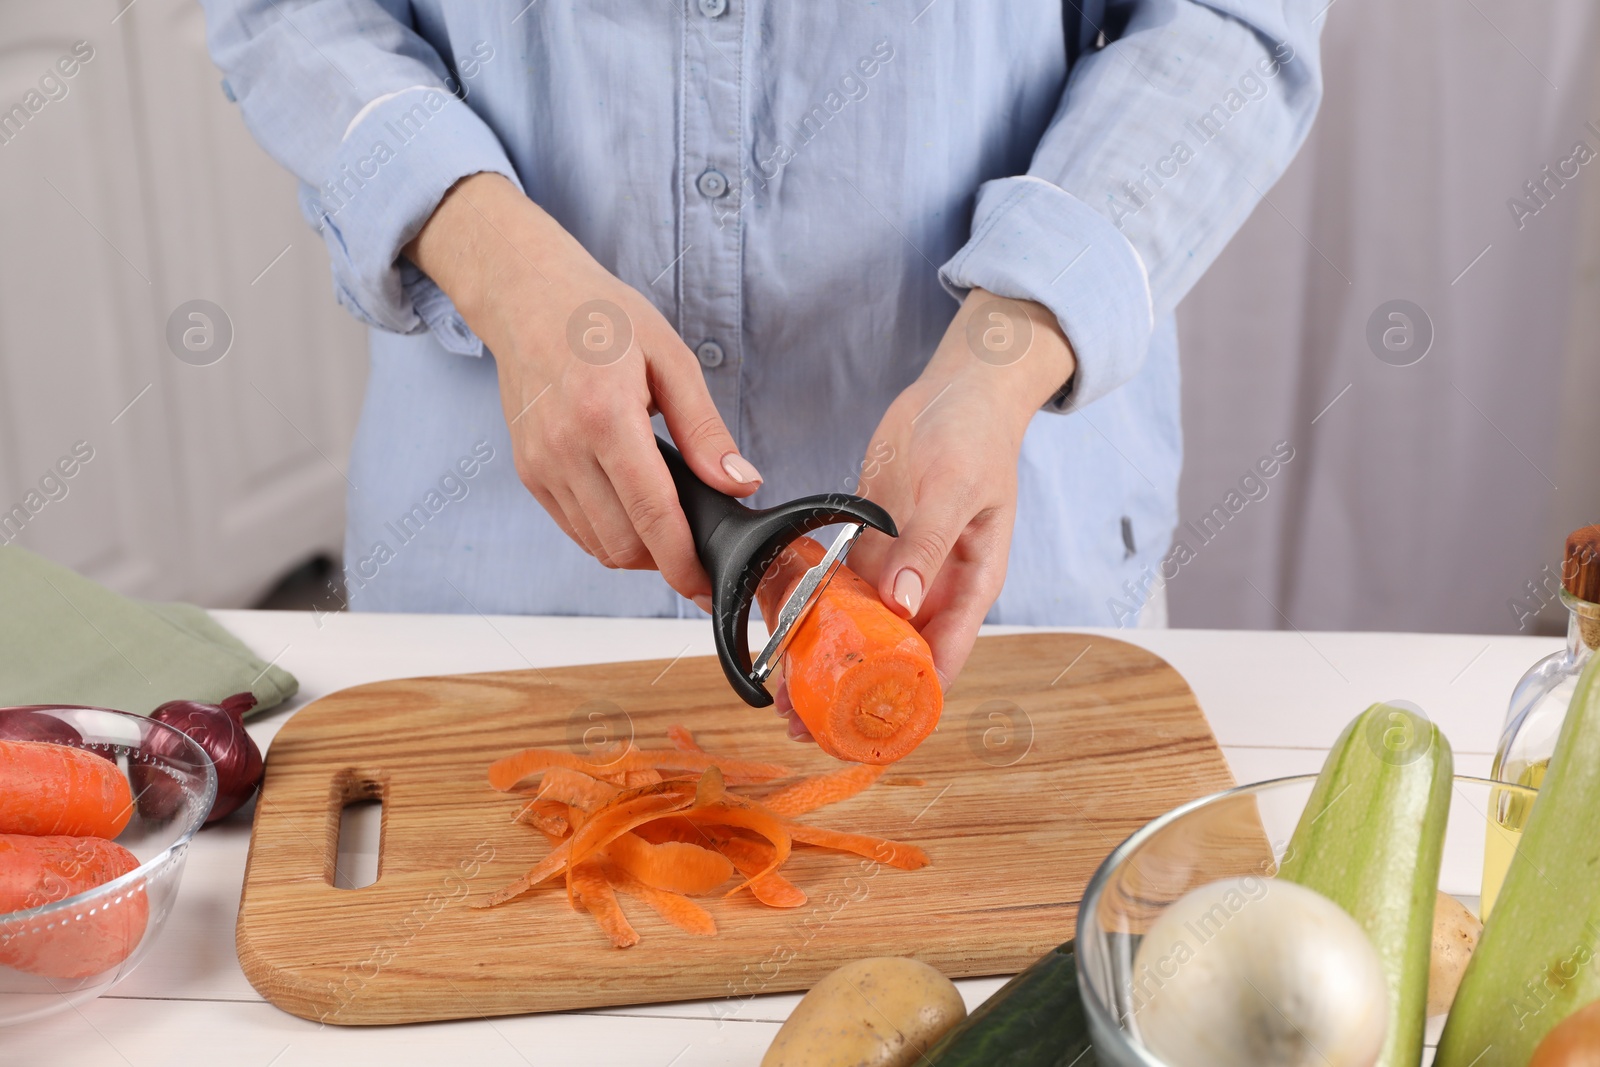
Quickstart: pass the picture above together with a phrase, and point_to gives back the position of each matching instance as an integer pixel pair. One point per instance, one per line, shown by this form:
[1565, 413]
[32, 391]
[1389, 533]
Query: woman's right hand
[584, 360]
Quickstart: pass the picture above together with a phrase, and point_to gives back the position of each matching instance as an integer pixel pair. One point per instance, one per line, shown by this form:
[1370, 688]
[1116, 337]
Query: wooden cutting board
[1052, 749]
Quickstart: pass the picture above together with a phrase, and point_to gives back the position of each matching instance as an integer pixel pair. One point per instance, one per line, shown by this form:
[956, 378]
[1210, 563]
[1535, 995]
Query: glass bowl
[1236, 833]
[114, 924]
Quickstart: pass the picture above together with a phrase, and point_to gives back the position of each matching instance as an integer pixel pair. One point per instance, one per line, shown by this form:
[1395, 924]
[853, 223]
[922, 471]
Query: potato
[1455, 935]
[880, 1012]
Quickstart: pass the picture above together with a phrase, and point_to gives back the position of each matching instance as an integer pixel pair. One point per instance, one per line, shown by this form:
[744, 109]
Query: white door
[77, 299]
[227, 471]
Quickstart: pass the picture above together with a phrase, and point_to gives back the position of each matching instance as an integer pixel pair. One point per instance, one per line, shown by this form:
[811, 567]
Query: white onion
[1261, 972]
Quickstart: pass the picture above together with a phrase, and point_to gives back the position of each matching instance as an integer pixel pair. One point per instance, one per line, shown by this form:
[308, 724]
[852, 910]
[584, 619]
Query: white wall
[1428, 496]
[135, 192]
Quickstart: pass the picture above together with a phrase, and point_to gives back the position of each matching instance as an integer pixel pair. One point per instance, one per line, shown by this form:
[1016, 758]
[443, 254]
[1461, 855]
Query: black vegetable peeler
[737, 544]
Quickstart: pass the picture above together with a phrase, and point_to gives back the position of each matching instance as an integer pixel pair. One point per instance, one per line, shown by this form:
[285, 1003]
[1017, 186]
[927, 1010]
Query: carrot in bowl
[40, 870]
[861, 678]
[57, 789]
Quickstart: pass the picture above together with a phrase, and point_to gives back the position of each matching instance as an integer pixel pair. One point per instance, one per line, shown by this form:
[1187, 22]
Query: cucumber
[1538, 960]
[1370, 839]
[1034, 1020]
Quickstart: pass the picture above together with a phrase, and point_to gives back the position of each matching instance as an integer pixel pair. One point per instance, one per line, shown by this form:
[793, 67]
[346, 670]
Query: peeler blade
[737, 544]
[802, 599]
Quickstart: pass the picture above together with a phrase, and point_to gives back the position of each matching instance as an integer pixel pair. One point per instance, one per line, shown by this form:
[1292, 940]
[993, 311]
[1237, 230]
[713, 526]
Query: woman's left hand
[944, 463]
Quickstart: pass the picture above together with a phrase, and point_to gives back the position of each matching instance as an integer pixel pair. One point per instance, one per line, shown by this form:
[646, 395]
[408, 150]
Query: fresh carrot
[40, 870]
[809, 794]
[35, 871]
[860, 677]
[50, 789]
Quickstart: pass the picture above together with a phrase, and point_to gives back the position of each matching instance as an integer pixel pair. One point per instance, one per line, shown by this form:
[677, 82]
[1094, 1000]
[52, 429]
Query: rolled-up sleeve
[1164, 141]
[353, 102]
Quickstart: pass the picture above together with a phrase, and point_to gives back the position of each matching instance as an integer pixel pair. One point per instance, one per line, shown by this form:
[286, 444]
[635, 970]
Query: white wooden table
[1275, 699]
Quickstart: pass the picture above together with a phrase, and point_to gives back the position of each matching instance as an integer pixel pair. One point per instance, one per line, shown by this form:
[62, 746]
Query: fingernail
[703, 602]
[740, 469]
[908, 590]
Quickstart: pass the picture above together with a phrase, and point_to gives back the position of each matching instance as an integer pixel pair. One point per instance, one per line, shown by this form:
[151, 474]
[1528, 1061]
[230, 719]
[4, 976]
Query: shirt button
[711, 184]
[713, 9]
[710, 353]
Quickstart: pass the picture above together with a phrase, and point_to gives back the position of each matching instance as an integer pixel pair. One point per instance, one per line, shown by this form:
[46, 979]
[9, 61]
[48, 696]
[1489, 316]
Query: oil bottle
[1538, 706]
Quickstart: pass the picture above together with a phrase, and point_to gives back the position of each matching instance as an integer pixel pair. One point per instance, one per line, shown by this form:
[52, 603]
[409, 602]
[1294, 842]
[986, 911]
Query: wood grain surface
[1051, 750]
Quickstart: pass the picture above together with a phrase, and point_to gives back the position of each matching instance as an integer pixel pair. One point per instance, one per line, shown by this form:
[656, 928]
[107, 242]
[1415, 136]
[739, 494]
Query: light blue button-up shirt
[801, 189]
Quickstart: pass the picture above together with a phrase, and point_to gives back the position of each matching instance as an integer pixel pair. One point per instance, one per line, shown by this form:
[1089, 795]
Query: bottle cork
[1580, 576]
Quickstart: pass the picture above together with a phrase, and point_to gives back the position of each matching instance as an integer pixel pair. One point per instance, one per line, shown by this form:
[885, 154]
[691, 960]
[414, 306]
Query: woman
[748, 219]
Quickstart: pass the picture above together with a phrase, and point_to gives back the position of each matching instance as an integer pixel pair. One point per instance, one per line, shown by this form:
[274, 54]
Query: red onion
[28, 724]
[34, 723]
[219, 729]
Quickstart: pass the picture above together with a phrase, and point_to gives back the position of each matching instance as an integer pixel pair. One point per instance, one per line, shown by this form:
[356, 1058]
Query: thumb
[914, 559]
[679, 390]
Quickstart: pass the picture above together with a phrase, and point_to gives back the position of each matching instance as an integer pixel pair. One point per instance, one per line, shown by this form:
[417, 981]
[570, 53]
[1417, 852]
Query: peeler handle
[736, 544]
[704, 507]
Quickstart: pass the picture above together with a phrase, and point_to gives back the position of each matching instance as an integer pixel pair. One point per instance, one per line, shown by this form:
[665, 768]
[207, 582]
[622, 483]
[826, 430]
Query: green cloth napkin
[67, 640]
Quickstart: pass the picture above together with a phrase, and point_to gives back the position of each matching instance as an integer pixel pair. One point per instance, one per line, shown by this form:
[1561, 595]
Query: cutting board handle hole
[359, 848]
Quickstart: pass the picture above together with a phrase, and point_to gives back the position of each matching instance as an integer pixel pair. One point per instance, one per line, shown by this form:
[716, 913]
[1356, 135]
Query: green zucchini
[1371, 839]
[1538, 960]
[1034, 1020]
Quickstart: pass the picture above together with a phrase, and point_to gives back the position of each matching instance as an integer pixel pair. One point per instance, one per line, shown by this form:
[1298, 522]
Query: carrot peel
[809, 794]
[674, 866]
[507, 773]
[675, 908]
[594, 891]
[658, 825]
